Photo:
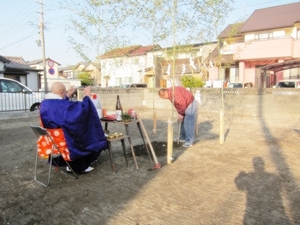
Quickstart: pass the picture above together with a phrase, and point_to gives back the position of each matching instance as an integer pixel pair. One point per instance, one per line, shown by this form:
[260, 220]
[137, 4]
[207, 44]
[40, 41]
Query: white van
[288, 84]
[16, 96]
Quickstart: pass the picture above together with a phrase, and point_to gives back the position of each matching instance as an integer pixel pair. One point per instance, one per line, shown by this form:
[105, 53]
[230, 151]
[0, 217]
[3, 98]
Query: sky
[19, 33]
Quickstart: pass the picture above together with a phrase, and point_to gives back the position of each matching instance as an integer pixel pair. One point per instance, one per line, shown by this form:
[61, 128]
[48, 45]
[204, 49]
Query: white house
[126, 65]
[52, 73]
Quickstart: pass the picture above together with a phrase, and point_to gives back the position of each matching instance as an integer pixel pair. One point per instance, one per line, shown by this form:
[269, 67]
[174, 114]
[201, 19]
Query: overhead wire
[18, 21]
[16, 30]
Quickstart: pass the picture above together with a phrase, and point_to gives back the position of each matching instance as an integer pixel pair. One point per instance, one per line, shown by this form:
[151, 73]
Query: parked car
[16, 96]
[124, 85]
[288, 84]
[235, 85]
[134, 85]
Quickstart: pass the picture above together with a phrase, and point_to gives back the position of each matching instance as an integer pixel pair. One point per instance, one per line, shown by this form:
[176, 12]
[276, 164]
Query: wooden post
[170, 141]
[221, 126]
[157, 165]
[154, 122]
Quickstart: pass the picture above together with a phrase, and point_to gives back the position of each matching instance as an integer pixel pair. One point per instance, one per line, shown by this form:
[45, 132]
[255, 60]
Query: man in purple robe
[80, 124]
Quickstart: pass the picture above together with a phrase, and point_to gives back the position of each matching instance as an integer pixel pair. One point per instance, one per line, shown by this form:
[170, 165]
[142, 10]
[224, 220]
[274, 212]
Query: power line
[255, 5]
[9, 45]
[18, 21]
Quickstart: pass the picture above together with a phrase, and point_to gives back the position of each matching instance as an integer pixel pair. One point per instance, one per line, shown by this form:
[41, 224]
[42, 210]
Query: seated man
[80, 124]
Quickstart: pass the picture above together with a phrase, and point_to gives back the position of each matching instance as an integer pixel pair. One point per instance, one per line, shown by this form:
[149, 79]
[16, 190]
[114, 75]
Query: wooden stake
[157, 165]
[170, 141]
[221, 126]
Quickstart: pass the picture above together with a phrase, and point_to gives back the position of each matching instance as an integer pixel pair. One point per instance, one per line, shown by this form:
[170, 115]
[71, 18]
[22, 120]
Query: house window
[228, 48]
[298, 33]
[68, 74]
[263, 36]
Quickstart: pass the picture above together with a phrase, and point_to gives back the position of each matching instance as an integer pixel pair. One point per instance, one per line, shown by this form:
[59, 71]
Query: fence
[20, 101]
[243, 101]
[264, 102]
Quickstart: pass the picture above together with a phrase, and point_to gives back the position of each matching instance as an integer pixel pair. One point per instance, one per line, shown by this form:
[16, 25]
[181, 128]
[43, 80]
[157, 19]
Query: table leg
[111, 158]
[123, 145]
[130, 144]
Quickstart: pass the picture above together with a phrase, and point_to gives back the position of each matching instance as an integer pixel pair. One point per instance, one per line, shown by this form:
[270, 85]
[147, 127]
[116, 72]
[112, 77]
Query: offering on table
[115, 135]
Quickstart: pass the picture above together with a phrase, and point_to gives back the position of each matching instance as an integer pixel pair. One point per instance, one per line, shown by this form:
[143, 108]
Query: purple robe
[80, 122]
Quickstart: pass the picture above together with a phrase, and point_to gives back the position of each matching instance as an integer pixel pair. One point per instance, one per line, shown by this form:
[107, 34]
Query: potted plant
[126, 117]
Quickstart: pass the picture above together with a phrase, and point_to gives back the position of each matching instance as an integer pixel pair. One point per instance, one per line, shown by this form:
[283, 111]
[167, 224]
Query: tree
[85, 78]
[95, 24]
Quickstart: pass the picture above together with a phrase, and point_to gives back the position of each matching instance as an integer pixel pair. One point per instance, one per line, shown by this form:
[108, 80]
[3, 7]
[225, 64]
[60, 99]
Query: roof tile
[272, 18]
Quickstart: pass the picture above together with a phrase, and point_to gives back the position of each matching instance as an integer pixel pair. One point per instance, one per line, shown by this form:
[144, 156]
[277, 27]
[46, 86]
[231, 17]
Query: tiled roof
[70, 67]
[272, 18]
[3, 59]
[232, 30]
[214, 55]
[144, 49]
[37, 61]
[119, 52]
[17, 63]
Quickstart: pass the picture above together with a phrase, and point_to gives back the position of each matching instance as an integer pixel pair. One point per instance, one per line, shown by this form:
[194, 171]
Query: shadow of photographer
[264, 200]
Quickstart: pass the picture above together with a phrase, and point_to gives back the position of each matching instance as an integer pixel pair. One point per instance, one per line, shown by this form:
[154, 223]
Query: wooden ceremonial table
[121, 138]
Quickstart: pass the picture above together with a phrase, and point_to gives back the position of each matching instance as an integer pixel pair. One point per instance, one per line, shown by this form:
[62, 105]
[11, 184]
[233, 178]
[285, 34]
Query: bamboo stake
[170, 141]
[221, 126]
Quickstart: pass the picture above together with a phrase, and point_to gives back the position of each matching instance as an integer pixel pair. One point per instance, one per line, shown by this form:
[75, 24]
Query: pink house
[262, 50]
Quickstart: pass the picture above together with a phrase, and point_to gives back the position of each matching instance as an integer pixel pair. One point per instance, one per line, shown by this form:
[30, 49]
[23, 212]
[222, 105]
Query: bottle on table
[119, 109]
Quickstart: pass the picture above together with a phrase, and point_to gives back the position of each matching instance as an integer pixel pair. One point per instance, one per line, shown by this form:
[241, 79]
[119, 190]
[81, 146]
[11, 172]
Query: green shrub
[191, 81]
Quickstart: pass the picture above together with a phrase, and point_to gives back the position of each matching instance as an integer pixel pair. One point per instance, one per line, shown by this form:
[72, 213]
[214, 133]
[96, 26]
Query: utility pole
[42, 27]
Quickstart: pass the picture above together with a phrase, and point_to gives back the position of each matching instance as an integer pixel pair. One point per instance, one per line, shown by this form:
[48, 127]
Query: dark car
[134, 85]
[235, 85]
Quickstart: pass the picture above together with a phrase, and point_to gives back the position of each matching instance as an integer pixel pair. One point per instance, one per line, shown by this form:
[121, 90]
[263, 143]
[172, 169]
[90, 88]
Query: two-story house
[247, 51]
[127, 65]
[153, 64]
[188, 60]
[52, 73]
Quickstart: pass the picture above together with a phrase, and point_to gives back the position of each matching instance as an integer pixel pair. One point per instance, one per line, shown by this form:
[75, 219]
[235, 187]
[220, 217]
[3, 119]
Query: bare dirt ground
[253, 178]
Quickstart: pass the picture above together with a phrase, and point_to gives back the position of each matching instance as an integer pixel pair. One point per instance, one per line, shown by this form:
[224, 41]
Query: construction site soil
[251, 178]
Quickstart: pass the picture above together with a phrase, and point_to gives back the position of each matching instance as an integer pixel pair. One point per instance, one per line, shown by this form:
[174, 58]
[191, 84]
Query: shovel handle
[179, 127]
